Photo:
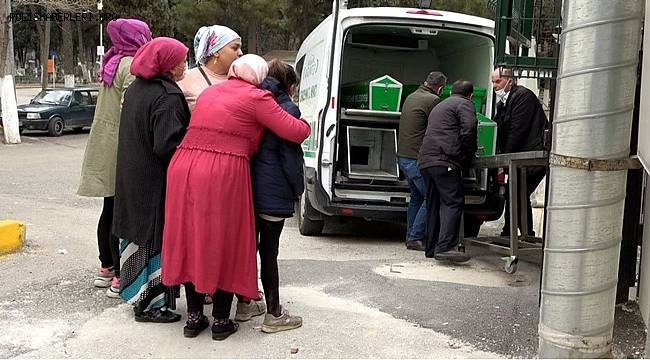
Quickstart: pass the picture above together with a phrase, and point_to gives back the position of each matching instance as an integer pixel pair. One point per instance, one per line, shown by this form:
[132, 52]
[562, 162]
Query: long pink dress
[209, 234]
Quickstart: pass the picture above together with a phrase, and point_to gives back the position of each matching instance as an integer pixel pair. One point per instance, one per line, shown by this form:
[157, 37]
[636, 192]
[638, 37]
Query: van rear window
[385, 40]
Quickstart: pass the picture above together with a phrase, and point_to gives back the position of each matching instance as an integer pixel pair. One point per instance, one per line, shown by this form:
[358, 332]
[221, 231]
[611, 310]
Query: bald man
[521, 123]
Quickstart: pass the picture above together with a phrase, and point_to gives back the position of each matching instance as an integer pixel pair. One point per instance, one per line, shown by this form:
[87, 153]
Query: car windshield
[53, 97]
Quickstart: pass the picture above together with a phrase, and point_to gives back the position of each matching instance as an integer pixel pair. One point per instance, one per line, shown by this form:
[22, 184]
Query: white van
[350, 158]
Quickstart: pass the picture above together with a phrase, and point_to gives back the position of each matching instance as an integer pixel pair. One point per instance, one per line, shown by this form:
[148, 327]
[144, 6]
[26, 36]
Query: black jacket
[154, 120]
[277, 168]
[520, 122]
[413, 121]
[450, 139]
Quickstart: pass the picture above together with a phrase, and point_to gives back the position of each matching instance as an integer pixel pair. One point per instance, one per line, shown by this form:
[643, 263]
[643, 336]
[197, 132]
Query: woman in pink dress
[209, 236]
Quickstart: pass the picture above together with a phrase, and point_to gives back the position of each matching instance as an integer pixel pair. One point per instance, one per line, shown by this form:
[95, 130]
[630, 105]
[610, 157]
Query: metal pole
[100, 7]
[600, 43]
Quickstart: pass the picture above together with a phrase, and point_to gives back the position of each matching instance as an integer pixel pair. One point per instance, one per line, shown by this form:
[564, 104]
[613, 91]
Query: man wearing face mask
[412, 126]
[521, 123]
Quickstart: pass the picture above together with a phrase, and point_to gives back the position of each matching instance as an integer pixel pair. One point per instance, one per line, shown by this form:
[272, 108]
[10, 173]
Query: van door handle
[329, 130]
[326, 163]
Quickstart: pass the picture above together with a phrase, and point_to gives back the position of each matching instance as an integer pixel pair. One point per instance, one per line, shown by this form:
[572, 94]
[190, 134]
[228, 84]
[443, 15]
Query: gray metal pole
[600, 43]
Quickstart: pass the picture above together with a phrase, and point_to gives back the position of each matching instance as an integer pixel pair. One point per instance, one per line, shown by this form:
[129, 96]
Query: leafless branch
[60, 5]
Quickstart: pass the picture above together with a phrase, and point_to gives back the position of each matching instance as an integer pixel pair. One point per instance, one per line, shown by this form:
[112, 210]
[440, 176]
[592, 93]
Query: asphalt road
[360, 292]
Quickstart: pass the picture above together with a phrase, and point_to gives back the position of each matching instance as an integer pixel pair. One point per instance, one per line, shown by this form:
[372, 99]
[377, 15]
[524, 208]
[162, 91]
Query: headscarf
[210, 39]
[127, 36]
[250, 68]
[158, 57]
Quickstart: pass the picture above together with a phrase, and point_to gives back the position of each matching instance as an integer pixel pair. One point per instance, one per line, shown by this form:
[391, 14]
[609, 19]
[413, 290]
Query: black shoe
[415, 245]
[222, 331]
[157, 316]
[452, 256]
[194, 329]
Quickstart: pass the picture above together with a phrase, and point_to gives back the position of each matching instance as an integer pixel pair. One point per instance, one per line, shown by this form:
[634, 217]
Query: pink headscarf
[127, 36]
[250, 68]
[158, 57]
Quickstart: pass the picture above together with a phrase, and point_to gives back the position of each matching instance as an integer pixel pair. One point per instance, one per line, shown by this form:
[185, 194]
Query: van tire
[307, 226]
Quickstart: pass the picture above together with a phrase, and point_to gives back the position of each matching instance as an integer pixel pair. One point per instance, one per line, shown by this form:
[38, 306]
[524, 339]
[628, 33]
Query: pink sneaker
[114, 290]
[103, 277]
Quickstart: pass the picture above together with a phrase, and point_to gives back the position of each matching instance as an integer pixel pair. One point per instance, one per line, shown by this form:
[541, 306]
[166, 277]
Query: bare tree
[67, 55]
[44, 11]
[10, 123]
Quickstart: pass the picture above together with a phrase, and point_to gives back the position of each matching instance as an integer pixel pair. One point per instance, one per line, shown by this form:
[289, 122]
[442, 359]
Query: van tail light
[480, 217]
[501, 177]
[347, 211]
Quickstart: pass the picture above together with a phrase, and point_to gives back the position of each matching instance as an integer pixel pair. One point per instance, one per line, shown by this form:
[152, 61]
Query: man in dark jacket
[412, 125]
[521, 123]
[449, 145]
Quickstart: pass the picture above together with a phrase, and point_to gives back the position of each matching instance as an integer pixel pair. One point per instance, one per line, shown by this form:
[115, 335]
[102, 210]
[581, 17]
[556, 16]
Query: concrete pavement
[361, 294]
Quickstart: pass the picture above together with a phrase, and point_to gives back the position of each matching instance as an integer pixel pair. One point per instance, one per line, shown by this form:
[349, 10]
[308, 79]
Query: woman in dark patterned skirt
[154, 119]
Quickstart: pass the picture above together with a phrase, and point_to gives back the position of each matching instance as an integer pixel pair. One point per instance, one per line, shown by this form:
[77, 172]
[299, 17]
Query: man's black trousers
[445, 203]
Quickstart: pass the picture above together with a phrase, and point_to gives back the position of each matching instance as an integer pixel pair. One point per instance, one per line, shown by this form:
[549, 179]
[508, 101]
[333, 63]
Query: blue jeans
[416, 215]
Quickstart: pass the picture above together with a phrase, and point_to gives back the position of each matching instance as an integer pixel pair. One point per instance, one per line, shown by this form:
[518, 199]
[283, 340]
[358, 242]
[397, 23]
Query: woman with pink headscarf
[98, 169]
[209, 236]
[154, 121]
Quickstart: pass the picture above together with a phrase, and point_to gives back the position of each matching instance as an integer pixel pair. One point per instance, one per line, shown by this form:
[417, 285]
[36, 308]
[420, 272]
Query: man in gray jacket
[412, 125]
[449, 145]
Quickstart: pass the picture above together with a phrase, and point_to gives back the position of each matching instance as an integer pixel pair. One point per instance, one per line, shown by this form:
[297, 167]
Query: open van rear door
[327, 127]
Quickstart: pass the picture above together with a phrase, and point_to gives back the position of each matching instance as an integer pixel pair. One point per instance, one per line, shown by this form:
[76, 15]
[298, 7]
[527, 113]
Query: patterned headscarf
[127, 36]
[158, 57]
[250, 68]
[210, 39]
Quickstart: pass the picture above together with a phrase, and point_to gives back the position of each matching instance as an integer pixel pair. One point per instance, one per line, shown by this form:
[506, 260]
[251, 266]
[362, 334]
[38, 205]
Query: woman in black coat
[154, 118]
[277, 173]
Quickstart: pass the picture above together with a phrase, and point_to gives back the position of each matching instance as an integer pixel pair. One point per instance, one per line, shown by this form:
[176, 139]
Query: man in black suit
[521, 123]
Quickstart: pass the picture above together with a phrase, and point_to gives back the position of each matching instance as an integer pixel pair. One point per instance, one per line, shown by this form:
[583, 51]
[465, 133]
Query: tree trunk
[80, 47]
[10, 123]
[253, 29]
[4, 27]
[67, 53]
[45, 52]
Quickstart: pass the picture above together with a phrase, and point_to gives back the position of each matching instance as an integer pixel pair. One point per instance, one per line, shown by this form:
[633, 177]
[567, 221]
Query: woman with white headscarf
[209, 236]
[215, 48]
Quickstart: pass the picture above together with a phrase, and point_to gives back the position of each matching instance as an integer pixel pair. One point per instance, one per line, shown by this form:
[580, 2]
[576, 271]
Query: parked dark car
[54, 110]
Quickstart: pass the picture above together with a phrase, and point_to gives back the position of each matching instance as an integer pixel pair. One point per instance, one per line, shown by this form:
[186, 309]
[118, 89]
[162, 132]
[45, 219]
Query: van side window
[299, 65]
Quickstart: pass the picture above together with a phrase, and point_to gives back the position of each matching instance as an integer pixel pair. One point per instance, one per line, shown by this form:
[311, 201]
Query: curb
[12, 236]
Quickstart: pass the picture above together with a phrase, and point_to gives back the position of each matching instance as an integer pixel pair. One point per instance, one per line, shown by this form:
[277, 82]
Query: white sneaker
[114, 290]
[104, 277]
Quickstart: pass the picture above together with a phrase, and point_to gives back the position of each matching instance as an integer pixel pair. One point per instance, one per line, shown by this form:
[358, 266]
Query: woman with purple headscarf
[98, 169]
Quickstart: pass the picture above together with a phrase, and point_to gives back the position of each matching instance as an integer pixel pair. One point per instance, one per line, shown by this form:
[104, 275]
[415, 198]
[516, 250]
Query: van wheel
[472, 227]
[55, 126]
[307, 226]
